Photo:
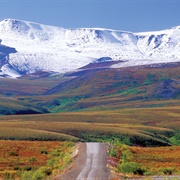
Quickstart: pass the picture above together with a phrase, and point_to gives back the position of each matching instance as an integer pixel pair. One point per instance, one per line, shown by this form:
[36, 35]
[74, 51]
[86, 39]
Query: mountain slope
[47, 48]
[93, 89]
[131, 87]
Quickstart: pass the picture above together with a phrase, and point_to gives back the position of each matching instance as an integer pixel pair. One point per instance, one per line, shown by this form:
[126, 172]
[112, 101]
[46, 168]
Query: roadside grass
[158, 160]
[33, 160]
[147, 161]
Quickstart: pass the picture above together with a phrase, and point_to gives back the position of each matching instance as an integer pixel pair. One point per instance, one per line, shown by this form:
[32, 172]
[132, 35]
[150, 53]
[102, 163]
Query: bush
[38, 174]
[7, 176]
[57, 153]
[16, 168]
[44, 152]
[168, 171]
[126, 166]
[131, 167]
[13, 154]
[27, 168]
[45, 170]
[140, 171]
[26, 175]
[126, 156]
[33, 159]
[52, 162]
[69, 144]
[67, 160]
[148, 173]
[112, 152]
[175, 140]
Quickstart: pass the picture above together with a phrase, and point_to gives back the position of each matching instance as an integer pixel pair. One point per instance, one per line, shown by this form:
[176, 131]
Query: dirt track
[90, 164]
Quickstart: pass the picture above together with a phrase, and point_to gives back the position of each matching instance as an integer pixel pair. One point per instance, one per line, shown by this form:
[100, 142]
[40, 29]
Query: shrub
[7, 176]
[112, 152]
[126, 156]
[67, 160]
[33, 159]
[168, 171]
[27, 168]
[13, 153]
[45, 170]
[175, 140]
[52, 162]
[148, 173]
[131, 167]
[44, 152]
[38, 175]
[58, 153]
[69, 144]
[26, 175]
[128, 167]
[140, 170]
[16, 168]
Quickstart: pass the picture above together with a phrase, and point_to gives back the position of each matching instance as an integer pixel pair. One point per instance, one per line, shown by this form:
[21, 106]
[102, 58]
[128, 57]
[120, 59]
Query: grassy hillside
[102, 89]
[30, 85]
[140, 126]
[9, 105]
[92, 89]
[133, 162]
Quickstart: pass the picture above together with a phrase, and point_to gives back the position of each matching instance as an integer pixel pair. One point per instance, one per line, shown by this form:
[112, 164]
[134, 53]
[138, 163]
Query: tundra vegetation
[136, 107]
[137, 134]
[33, 159]
[137, 161]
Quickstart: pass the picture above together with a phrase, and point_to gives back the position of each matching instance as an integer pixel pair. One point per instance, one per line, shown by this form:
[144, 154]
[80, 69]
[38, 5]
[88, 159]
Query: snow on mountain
[47, 48]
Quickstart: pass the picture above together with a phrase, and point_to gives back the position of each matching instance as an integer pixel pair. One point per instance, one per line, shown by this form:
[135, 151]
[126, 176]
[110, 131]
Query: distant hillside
[91, 88]
[104, 88]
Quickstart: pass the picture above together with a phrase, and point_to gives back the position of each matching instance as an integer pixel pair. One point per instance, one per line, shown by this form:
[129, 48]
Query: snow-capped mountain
[27, 47]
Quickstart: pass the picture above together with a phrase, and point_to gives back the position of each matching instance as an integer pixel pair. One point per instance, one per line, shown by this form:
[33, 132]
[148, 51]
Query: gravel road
[90, 164]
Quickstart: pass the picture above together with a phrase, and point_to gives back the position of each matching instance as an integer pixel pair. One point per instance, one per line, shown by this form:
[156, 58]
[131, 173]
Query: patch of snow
[7, 70]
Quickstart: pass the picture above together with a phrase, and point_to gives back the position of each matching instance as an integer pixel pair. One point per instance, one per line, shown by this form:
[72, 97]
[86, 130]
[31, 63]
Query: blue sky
[129, 15]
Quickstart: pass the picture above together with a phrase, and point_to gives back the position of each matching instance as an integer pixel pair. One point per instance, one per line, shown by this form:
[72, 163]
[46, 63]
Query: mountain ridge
[49, 48]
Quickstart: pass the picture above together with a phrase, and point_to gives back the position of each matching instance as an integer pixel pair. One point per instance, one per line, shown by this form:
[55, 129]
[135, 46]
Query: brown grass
[157, 159]
[17, 155]
[141, 123]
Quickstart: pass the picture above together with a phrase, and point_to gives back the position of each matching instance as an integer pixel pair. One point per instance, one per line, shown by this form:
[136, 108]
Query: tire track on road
[91, 164]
